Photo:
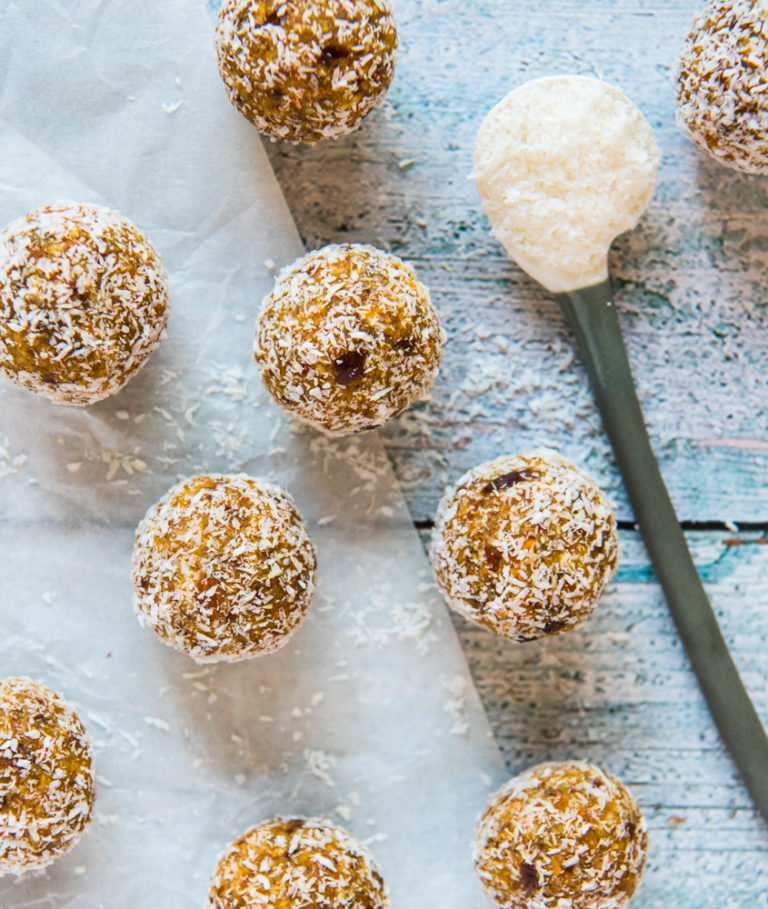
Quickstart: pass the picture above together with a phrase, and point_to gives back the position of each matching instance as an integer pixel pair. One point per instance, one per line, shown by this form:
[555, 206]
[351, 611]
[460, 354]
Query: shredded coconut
[9, 463]
[563, 166]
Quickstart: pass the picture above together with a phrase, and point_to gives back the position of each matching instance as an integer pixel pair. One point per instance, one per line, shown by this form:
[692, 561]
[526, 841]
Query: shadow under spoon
[564, 165]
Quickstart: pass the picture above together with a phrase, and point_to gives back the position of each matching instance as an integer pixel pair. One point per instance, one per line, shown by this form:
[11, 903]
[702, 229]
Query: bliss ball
[305, 70]
[84, 301]
[47, 776]
[561, 835]
[722, 103]
[348, 338]
[291, 864]
[524, 546]
[223, 568]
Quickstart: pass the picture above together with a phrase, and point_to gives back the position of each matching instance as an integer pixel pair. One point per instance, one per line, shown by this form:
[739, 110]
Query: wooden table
[691, 289]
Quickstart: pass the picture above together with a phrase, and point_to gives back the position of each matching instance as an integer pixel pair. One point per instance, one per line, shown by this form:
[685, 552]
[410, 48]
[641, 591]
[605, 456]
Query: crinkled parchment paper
[368, 716]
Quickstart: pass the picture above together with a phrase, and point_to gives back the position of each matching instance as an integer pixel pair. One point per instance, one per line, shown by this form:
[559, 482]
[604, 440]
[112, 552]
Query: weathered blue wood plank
[619, 692]
[690, 282]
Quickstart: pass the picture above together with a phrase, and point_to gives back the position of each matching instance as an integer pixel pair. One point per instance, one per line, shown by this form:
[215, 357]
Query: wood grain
[691, 288]
[689, 282]
[619, 692]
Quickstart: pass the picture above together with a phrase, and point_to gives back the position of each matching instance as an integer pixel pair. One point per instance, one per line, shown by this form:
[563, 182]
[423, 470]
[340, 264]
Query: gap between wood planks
[742, 526]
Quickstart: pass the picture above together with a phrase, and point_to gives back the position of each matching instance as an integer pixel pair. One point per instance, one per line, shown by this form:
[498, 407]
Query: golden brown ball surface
[47, 776]
[561, 834]
[348, 338]
[722, 103]
[293, 864]
[524, 546]
[304, 70]
[84, 301]
[223, 568]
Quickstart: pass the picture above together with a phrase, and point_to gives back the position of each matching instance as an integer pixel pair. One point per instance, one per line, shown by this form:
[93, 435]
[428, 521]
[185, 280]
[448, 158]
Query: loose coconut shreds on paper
[561, 836]
[367, 465]
[563, 165]
[10, 464]
[47, 776]
[84, 301]
[384, 619]
[297, 863]
[304, 70]
[722, 96]
[524, 546]
[223, 568]
[348, 338]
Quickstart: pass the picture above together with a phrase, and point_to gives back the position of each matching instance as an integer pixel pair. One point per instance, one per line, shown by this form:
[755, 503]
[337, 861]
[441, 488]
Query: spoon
[564, 165]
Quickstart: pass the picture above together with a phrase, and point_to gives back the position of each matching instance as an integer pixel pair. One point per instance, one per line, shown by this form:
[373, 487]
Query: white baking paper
[368, 716]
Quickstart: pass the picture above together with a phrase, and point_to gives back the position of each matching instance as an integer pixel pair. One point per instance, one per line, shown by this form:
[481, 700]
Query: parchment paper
[369, 716]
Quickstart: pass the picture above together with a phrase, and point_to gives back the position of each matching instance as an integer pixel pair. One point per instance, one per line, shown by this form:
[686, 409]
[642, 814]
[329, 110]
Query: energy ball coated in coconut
[722, 100]
[47, 776]
[304, 70]
[83, 302]
[223, 568]
[348, 338]
[293, 864]
[561, 834]
[524, 546]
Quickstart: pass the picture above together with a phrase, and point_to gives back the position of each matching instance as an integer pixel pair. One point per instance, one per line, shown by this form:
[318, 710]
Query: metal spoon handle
[593, 318]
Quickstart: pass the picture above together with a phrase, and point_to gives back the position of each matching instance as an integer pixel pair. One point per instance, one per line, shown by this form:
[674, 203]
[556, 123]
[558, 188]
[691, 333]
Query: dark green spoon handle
[593, 318]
